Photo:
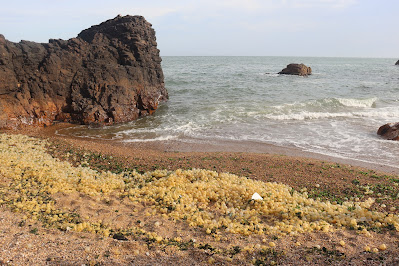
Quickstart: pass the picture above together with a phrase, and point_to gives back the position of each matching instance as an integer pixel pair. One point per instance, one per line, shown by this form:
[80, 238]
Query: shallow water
[336, 111]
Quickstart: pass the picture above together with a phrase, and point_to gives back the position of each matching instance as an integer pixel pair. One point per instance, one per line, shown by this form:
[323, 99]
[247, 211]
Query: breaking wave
[329, 108]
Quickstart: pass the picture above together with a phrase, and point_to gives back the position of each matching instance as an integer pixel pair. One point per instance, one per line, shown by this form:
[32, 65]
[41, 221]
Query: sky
[331, 28]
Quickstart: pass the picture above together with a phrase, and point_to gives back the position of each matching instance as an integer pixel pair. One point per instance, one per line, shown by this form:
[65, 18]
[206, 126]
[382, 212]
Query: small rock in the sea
[389, 131]
[296, 69]
[256, 196]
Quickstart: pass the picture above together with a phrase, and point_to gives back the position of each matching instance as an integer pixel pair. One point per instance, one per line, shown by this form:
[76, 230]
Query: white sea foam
[305, 115]
[330, 102]
[381, 113]
[370, 102]
[272, 74]
[328, 108]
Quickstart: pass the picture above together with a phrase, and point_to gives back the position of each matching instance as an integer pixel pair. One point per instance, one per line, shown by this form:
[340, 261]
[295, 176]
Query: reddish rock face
[389, 131]
[296, 69]
[109, 73]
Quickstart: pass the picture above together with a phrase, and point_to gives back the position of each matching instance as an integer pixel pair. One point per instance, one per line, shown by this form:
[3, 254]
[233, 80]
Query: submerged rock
[389, 131]
[296, 69]
[109, 73]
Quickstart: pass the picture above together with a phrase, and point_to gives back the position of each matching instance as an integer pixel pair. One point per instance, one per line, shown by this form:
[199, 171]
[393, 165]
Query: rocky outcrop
[397, 63]
[389, 131]
[296, 69]
[109, 73]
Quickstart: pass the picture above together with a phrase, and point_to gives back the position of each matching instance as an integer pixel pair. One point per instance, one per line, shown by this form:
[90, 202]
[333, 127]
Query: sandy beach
[140, 233]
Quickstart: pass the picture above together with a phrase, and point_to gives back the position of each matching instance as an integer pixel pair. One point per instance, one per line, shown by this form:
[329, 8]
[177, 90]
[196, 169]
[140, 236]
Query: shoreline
[212, 146]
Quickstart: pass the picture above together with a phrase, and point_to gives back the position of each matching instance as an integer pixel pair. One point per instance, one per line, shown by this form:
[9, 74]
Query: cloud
[275, 26]
[320, 3]
[192, 10]
[258, 6]
[248, 5]
[146, 11]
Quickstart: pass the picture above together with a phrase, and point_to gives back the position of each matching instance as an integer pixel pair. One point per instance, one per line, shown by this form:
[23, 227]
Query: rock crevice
[109, 73]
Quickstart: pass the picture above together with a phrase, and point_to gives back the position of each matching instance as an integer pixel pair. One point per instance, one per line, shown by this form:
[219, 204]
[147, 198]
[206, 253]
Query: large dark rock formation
[389, 131]
[110, 73]
[397, 63]
[296, 69]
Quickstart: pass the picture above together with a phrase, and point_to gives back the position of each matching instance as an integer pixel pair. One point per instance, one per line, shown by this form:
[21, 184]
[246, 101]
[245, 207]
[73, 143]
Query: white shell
[256, 196]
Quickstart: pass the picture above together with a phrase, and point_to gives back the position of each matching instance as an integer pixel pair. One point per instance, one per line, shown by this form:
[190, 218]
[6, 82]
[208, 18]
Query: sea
[336, 111]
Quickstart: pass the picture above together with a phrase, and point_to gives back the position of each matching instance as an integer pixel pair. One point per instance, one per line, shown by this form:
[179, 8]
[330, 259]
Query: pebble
[382, 247]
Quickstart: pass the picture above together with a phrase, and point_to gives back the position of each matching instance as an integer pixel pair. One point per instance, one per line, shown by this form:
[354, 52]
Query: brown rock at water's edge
[389, 131]
[109, 73]
[296, 69]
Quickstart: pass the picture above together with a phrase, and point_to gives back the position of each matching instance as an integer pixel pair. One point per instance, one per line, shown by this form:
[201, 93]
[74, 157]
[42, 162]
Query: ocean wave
[349, 102]
[332, 102]
[382, 113]
[305, 115]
